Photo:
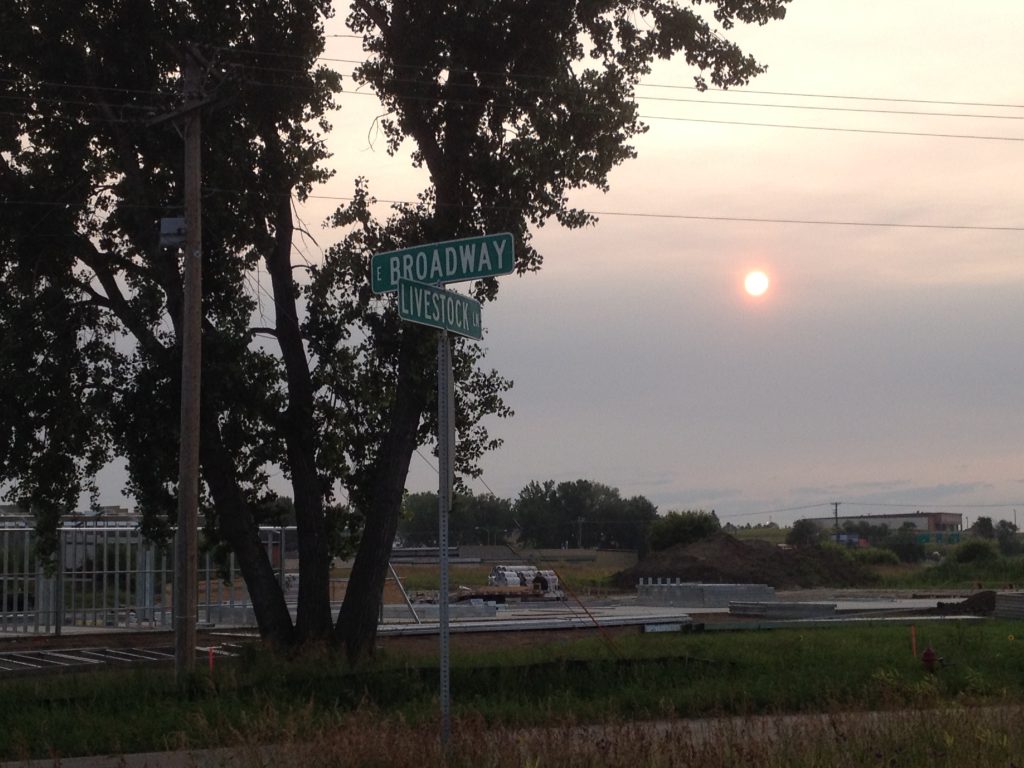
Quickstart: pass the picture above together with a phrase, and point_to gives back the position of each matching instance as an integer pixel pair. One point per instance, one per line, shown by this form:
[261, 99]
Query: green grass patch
[428, 577]
[261, 697]
[578, 573]
[773, 535]
[950, 574]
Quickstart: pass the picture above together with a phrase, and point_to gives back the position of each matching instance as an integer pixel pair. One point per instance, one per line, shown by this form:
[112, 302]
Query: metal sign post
[446, 473]
[412, 273]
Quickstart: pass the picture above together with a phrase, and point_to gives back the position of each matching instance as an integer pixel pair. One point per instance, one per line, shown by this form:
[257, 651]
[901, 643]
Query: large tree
[91, 302]
[510, 105]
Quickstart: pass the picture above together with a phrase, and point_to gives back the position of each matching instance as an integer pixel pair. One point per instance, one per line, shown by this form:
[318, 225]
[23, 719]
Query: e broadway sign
[438, 308]
[451, 261]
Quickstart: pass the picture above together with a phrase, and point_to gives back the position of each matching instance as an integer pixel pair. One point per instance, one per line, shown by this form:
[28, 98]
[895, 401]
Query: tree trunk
[240, 530]
[360, 611]
[314, 609]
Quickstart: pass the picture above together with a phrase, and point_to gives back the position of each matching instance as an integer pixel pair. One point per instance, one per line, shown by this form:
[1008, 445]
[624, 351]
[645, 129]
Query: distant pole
[835, 512]
[185, 576]
[446, 472]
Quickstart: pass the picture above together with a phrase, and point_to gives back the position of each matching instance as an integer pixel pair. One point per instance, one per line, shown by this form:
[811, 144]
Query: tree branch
[89, 255]
[377, 15]
[266, 331]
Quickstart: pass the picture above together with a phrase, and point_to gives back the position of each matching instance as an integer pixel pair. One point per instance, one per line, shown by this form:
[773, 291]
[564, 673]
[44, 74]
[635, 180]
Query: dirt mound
[979, 604]
[724, 559]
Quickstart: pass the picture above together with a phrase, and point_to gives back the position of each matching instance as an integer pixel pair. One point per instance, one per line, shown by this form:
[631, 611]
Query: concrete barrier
[777, 610]
[1009, 605]
[690, 594]
[430, 611]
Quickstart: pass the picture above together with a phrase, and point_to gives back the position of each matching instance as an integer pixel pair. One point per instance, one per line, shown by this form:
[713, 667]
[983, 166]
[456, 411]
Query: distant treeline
[577, 514]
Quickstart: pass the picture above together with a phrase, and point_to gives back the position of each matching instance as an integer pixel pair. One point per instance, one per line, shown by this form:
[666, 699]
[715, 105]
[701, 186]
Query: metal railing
[110, 576]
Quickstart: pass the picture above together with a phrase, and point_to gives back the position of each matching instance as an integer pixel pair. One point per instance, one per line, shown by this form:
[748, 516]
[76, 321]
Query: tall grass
[956, 737]
[981, 739]
[998, 573]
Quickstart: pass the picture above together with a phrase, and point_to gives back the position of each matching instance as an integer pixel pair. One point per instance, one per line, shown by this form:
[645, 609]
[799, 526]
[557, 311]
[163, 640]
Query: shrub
[906, 547]
[1009, 541]
[976, 551]
[804, 533]
[682, 528]
[875, 556]
[838, 550]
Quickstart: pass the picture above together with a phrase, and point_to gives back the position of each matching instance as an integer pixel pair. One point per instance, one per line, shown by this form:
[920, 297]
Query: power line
[894, 99]
[788, 126]
[811, 222]
[86, 86]
[836, 129]
[739, 219]
[641, 84]
[626, 214]
[1009, 505]
[777, 511]
[830, 109]
[716, 102]
[933, 506]
[520, 76]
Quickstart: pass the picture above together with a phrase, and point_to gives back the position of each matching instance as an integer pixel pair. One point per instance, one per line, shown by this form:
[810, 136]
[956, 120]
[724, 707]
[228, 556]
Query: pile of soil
[724, 559]
[979, 604]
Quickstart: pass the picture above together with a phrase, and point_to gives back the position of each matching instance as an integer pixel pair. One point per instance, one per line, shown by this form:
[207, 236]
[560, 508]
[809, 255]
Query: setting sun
[756, 283]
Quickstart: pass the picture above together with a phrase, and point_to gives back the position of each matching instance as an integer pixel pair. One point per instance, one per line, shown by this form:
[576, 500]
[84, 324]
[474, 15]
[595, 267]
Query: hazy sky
[885, 365]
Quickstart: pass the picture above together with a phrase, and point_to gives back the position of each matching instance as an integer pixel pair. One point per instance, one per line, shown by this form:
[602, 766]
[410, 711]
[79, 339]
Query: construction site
[113, 591]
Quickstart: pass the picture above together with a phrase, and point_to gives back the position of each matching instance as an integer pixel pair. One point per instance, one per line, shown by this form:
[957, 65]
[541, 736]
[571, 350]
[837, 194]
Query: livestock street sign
[416, 274]
[451, 261]
[438, 308]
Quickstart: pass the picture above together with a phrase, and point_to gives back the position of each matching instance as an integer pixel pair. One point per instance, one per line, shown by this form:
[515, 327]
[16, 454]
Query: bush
[1009, 541]
[804, 533]
[840, 551]
[905, 545]
[875, 556]
[976, 551]
[682, 528]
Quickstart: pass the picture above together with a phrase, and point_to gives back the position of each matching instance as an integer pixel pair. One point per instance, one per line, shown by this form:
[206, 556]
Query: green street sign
[438, 308]
[452, 261]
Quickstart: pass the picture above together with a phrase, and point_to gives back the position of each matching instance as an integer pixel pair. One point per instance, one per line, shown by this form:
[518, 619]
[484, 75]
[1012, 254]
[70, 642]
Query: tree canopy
[683, 528]
[509, 105]
[485, 519]
[804, 533]
[581, 513]
[1007, 538]
[984, 528]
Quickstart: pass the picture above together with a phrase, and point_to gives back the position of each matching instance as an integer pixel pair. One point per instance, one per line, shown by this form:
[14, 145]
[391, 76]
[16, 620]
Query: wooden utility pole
[185, 562]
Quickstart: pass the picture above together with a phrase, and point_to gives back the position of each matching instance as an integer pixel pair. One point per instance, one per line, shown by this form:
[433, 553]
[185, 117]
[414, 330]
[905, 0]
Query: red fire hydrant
[930, 659]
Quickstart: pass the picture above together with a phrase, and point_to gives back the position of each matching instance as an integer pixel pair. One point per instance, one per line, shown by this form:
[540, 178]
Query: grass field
[586, 571]
[582, 571]
[527, 695]
[766, 698]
